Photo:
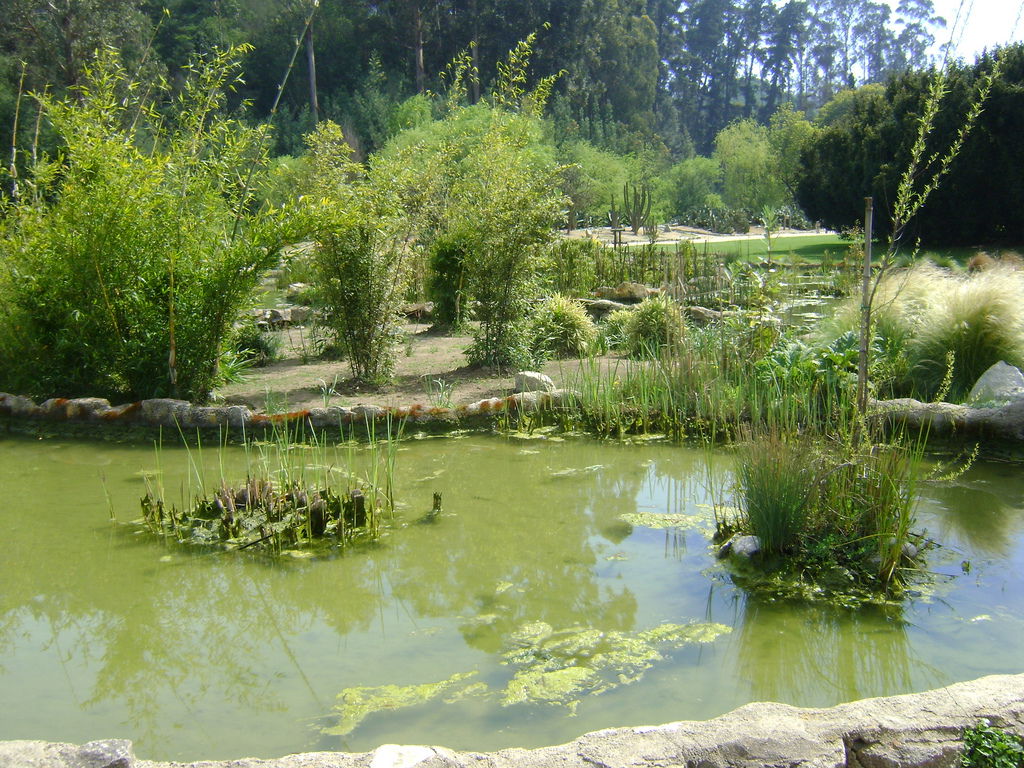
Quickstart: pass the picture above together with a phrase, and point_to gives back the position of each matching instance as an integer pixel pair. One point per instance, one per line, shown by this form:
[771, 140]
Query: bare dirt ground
[427, 358]
[676, 234]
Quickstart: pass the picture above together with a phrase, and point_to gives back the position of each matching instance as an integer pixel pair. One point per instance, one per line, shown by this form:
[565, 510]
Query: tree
[748, 165]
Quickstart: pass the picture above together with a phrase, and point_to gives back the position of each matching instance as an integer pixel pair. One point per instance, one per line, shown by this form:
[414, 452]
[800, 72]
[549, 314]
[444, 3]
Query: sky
[989, 23]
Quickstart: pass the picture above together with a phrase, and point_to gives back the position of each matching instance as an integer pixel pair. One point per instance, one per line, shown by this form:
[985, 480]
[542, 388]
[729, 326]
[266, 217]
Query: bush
[358, 256]
[447, 282]
[614, 329]
[978, 320]
[568, 266]
[562, 328]
[127, 265]
[254, 346]
[656, 324]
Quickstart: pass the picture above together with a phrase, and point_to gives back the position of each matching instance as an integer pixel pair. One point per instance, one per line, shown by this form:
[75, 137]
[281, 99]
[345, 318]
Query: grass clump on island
[833, 519]
[300, 496]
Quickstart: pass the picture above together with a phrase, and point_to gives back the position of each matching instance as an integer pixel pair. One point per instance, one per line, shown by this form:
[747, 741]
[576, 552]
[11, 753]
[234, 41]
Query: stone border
[922, 730]
[180, 414]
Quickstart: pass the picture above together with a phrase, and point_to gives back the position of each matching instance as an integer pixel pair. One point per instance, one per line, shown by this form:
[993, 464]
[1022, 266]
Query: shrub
[562, 328]
[925, 316]
[447, 282]
[358, 256]
[615, 327]
[127, 264]
[254, 346]
[655, 325]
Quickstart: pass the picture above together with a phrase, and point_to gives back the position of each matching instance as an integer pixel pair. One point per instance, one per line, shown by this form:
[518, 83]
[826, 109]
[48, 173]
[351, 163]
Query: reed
[301, 491]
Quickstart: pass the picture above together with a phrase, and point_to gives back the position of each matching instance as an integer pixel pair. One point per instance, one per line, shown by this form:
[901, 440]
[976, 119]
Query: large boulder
[998, 386]
[532, 381]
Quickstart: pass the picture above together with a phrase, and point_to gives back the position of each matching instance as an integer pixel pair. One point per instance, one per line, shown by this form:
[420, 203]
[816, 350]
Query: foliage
[989, 746]
[506, 209]
[590, 178]
[569, 266]
[359, 257]
[925, 315]
[254, 345]
[655, 325]
[841, 516]
[561, 327]
[614, 328]
[447, 286]
[687, 186]
[749, 174]
[863, 153]
[978, 320]
[131, 252]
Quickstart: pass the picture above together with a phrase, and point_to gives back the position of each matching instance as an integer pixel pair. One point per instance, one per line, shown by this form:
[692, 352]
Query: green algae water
[566, 586]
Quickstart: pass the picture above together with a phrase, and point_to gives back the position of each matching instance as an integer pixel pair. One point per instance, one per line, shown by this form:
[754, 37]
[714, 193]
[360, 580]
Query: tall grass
[979, 320]
[841, 510]
[925, 317]
[777, 488]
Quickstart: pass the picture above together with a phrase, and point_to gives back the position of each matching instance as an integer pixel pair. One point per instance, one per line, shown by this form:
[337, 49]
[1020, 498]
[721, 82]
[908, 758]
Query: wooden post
[865, 312]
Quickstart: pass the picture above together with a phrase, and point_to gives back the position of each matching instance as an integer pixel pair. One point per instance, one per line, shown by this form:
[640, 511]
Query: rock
[741, 547]
[598, 308]
[532, 381]
[300, 315]
[17, 405]
[421, 311]
[299, 293]
[278, 317]
[923, 730]
[999, 385]
[703, 315]
[87, 407]
[626, 292]
[164, 412]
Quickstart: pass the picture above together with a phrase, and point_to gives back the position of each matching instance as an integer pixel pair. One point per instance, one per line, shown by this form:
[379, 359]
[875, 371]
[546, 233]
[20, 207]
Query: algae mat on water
[553, 667]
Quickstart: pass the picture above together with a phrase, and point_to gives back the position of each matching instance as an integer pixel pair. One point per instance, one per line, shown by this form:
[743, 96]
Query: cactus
[638, 206]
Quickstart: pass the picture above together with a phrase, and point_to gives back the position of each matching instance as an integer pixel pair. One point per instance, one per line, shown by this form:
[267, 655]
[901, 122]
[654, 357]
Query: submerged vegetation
[551, 667]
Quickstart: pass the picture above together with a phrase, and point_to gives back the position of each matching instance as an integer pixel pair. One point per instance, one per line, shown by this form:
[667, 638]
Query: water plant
[299, 493]
[834, 513]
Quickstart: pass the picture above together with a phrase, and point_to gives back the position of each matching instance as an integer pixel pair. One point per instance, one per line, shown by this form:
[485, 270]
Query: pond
[541, 604]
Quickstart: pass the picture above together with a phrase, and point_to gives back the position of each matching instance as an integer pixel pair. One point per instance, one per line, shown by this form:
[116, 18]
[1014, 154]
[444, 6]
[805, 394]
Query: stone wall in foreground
[915, 731]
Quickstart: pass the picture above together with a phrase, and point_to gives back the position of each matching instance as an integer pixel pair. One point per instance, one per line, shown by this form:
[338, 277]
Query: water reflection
[821, 654]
